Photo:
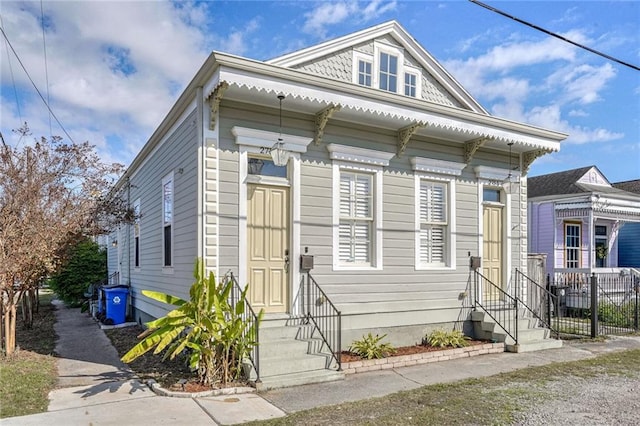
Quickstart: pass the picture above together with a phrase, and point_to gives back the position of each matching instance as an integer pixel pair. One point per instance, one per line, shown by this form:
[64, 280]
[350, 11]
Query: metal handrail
[499, 309]
[326, 318]
[250, 316]
[550, 298]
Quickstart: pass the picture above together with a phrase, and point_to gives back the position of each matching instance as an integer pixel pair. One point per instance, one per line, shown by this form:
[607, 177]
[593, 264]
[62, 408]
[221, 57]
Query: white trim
[417, 72]
[248, 140]
[264, 139]
[169, 178]
[376, 233]
[355, 69]
[430, 165]
[359, 155]
[451, 260]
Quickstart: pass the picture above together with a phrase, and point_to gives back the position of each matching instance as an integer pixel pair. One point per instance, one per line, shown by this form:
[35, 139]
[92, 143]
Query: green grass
[27, 376]
[487, 401]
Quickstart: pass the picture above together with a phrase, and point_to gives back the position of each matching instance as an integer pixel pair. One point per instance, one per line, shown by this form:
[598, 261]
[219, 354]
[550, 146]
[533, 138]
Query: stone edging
[159, 390]
[420, 358]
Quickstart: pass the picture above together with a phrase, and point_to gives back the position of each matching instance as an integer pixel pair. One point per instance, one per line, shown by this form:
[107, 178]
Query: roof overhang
[259, 83]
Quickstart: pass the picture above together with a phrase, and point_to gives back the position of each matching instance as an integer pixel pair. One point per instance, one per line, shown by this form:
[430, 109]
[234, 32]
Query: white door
[267, 245]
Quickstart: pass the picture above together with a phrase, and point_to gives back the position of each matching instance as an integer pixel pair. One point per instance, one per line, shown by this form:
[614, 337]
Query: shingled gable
[384, 31]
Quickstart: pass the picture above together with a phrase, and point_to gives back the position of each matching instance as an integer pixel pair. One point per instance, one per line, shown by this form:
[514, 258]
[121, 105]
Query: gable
[340, 66]
[365, 58]
[594, 177]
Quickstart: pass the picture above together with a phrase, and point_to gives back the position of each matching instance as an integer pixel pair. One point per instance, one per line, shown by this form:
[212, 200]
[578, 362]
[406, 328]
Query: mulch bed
[347, 356]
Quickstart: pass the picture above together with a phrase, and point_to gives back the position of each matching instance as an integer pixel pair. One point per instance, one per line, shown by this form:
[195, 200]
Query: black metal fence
[538, 301]
[250, 317]
[592, 304]
[326, 318]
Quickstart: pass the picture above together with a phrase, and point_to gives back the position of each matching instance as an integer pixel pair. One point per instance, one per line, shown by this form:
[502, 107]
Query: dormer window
[364, 72]
[386, 69]
[388, 72]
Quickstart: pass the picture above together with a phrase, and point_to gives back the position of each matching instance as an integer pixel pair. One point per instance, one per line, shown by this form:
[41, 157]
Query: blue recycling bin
[116, 303]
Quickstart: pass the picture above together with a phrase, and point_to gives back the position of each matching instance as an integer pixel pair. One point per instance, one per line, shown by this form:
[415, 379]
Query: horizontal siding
[179, 151]
[398, 287]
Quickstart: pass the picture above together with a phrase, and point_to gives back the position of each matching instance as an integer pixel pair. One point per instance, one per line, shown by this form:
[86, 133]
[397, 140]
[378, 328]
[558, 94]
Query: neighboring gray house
[629, 238]
[581, 221]
[393, 177]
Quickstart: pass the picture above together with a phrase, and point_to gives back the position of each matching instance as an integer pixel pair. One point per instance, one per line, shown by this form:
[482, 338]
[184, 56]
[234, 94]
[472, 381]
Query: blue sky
[115, 68]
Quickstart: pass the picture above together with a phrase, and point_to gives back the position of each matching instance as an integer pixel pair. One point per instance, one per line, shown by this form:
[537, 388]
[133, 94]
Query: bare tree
[51, 193]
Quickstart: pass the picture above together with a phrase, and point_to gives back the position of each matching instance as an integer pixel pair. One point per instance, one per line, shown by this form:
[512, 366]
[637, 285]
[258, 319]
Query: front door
[268, 244]
[492, 250]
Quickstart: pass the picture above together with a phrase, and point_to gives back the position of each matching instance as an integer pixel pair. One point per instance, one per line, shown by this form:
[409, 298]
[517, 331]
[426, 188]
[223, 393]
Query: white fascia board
[429, 165]
[302, 85]
[359, 155]
[494, 173]
[265, 139]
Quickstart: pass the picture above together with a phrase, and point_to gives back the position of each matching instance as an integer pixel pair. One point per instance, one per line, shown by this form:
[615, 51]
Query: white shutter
[433, 223]
[356, 215]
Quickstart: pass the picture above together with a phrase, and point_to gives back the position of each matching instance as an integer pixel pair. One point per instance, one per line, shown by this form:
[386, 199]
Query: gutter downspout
[200, 240]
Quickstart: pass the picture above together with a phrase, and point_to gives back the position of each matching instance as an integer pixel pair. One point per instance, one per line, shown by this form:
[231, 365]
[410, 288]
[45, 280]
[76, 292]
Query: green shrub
[370, 347]
[86, 265]
[216, 334]
[446, 339]
[617, 316]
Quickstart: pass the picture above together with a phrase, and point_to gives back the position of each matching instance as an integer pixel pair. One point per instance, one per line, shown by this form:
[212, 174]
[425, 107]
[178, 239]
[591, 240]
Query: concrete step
[297, 379]
[283, 348]
[537, 345]
[276, 333]
[277, 365]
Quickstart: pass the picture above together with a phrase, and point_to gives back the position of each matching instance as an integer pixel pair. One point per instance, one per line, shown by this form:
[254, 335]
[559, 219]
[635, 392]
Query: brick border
[421, 358]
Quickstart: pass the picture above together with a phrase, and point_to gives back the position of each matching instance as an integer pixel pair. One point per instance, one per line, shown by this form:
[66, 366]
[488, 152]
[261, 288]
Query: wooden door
[492, 250]
[268, 243]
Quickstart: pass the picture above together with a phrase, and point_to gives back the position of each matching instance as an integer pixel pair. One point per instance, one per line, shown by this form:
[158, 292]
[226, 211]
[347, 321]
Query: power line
[13, 80]
[34, 85]
[46, 67]
[552, 34]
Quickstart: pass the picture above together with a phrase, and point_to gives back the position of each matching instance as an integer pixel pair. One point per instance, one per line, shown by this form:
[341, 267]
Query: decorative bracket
[470, 148]
[214, 102]
[529, 157]
[322, 118]
[404, 135]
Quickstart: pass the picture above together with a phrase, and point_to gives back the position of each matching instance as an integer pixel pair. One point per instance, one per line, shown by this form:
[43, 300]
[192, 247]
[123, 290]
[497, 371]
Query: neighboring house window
[388, 77]
[601, 246]
[136, 234]
[167, 219]
[572, 245]
[410, 84]
[364, 73]
[433, 223]
[356, 218]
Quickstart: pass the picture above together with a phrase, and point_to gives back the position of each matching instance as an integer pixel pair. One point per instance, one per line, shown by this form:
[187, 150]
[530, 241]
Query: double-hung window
[167, 220]
[572, 245]
[388, 76]
[356, 218]
[136, 234]
[601, 245]
[433, 223]
[410, 84]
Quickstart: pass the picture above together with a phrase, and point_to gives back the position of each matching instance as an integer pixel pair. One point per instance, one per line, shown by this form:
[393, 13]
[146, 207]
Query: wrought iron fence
[250, 317]
[497, 303]
[325, 317]
[596, 303]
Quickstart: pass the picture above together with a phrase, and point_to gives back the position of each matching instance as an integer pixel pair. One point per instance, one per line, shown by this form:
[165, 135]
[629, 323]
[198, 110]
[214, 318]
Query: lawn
[492, 400]
[27, 376]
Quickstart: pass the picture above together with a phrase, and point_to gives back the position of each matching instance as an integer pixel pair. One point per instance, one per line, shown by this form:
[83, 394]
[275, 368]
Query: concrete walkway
[95, 388]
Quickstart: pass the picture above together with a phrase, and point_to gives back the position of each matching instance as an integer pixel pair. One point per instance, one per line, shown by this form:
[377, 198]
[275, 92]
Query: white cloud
[578, 113]
[550, 117]
[332, 13]
[582, 83]
[235, 42]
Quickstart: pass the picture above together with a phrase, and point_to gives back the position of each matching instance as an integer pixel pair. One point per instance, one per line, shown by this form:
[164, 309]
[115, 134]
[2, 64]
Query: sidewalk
[96, 388]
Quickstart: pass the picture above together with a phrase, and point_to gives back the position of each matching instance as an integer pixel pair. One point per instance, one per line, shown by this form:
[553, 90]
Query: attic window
[387, 69]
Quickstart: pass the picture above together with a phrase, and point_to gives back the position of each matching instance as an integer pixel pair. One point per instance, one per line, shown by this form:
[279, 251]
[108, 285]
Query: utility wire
[552, 34]
[34, 85]
[13, 80]
[46, 67]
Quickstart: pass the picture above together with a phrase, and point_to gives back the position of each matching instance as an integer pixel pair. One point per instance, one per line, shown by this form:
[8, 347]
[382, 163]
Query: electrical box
[306, 262]
[475, 262]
